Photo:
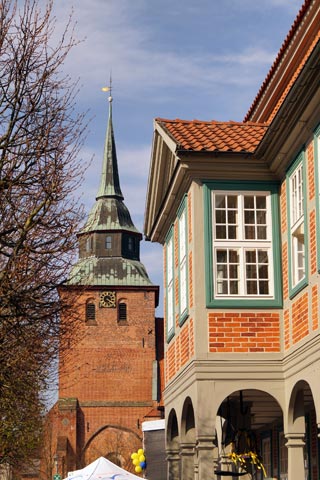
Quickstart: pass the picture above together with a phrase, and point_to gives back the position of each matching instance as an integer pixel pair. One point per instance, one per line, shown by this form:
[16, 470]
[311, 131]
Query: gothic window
[90, 311]
[122, 312]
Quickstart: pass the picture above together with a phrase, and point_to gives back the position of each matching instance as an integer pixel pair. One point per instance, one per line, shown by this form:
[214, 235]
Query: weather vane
[108, 89]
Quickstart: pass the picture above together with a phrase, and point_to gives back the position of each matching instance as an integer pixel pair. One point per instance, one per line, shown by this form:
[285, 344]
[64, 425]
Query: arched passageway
[302, 434]
[173, 447]
[249, 427]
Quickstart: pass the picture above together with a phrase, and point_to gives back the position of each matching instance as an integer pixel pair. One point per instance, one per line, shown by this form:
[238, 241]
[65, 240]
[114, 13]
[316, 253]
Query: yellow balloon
[140, 451]
[134, 455]
[136, 461]
[142, 458]
[138, 469]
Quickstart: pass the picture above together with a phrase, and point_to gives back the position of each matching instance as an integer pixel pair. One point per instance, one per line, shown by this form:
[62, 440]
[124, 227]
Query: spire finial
[109, 89]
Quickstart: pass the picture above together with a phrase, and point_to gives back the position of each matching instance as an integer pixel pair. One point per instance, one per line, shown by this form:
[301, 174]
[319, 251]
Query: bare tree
[40, 138]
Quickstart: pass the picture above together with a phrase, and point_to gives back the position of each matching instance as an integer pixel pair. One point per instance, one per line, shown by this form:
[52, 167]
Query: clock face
[108, 299]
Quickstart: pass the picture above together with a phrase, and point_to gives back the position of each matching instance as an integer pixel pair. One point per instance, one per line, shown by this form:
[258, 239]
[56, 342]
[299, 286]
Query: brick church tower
[108, 378]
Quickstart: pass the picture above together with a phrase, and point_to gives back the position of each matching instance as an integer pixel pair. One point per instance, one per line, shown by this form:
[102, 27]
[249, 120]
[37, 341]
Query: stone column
[205, 455]
[187, 454]
[295, 445]
[173, 462]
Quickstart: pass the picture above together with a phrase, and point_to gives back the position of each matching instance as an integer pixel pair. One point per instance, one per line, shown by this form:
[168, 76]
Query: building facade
[236, 207]
[108, 377]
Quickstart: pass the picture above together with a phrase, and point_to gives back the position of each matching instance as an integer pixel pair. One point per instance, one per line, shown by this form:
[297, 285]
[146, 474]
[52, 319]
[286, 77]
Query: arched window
[108, 242]
[90, 311]
[122, 312]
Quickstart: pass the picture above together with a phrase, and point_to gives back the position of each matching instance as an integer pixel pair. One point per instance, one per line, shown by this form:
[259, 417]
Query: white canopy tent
[102, 469]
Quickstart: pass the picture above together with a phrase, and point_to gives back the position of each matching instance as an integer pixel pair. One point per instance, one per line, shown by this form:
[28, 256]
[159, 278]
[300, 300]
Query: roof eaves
[295, 26]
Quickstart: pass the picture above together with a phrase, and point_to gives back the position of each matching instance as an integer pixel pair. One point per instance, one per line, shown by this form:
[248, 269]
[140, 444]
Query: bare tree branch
[40, 139]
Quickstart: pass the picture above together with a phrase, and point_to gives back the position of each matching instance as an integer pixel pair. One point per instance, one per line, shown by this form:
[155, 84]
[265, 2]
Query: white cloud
[116, 40]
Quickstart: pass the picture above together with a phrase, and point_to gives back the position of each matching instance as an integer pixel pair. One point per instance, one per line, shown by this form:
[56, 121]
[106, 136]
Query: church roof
[115, 271]
[109, 212]
[109, 243]
[213, 136]
[109, 183]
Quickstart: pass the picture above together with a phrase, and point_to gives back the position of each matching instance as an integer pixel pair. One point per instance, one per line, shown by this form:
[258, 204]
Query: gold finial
[108, 89]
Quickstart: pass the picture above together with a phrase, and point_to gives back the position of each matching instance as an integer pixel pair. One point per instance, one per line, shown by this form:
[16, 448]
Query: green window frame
[242, 243]
[297, 225]
[183, 261]
[170, 298]
[316, 144]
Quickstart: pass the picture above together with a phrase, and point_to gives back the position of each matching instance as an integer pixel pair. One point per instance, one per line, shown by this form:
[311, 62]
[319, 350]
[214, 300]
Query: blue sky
[188, 59]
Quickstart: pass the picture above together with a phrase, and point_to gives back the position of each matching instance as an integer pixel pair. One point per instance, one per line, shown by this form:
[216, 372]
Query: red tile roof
[213, 136]
[279, 58]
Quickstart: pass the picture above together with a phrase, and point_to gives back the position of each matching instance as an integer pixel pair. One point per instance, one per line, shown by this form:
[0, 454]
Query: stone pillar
[187, 454]
[295, 445]
[173, 461]
[205, 455]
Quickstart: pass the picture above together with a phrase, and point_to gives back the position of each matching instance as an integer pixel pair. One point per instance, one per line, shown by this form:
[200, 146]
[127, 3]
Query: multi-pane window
[297, 226]
[183, 263]
[170, 289]
[108, 242]
[242, 244]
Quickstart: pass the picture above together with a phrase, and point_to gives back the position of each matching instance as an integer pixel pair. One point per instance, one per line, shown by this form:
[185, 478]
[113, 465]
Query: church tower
[107, 379]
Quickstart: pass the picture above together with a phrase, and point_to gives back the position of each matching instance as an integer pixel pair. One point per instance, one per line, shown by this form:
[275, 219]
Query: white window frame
[297, 225]
[170, 286]
[241, 246]
[183, 270]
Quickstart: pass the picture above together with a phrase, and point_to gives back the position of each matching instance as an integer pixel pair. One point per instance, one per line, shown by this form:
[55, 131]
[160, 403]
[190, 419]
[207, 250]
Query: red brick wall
[286, 329]
[112, 354]
[300, 318]
[181, 347]
[315, 308]
[109, 371]
[312, 242]
[244, 332]
[283, 207]
[298, 315]
[310, 171]
[180, 350]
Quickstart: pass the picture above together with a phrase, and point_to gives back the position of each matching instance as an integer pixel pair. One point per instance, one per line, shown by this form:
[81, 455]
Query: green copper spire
[110, 184]
[109, 212]
[109, 243]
